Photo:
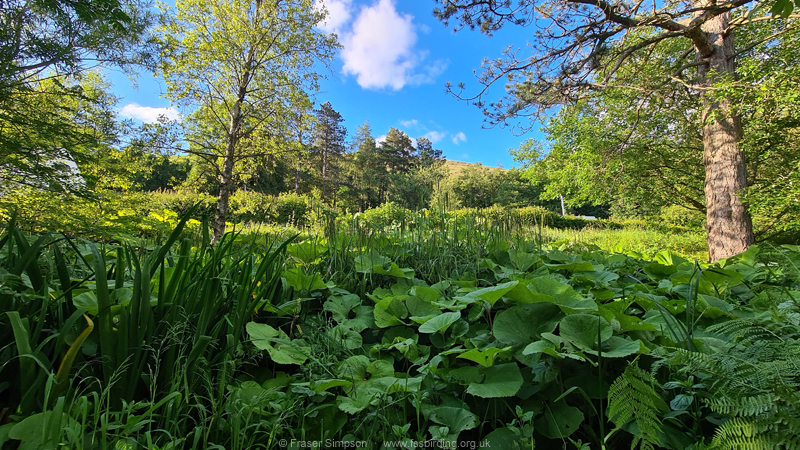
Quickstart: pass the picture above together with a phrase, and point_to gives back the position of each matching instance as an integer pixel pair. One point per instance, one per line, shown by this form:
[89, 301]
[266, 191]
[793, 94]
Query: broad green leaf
[523, 324]
[345, 336]
[522, 261]
[359, 369]
[456, 419]
[563, 294]
[347, 310]
[340, 306]
[619, 347]
[324, 385]
[87, 301]
[307, 251]
[505, 438]
[493, 293]
[485, 357]
[522, 294]
[440, 322]
[421, 308]
[559, 420]
[395, 271]
[300, 281]
[389, 311]
[366, 262]
[578, 266]
[582, 330]
[503, 380]
[281, 349]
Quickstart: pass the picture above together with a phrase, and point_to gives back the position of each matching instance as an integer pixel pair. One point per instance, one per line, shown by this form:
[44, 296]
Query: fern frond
[745, 406]
[633, 397]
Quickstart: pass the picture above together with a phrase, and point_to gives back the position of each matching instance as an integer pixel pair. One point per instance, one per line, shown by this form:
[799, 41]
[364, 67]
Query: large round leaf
[440, 322]
[559, 420]
[503, 380]
[456, 419]
[563, 294]
[524, 324]
[581, 330]
[280, 348]
[348, 337]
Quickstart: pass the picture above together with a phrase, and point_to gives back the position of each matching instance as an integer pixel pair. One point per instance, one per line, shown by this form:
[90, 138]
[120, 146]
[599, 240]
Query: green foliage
[633, 398]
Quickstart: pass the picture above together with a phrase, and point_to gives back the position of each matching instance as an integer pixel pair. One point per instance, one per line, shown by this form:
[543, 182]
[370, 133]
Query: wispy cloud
[380, 50]
[435, 136]
[409, 123]
[148, 114]
[459, 137]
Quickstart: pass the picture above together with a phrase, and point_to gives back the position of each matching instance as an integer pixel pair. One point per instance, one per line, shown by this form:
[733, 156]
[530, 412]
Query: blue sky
[392, 70]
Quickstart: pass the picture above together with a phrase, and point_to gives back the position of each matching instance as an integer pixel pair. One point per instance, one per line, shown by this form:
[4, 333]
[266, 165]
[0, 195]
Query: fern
[632, 397]
[754, 384]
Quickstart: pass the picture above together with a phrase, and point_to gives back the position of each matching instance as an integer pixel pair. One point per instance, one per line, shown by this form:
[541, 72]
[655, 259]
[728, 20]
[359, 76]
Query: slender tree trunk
[728, 224]
[324, 172]
[226, 178]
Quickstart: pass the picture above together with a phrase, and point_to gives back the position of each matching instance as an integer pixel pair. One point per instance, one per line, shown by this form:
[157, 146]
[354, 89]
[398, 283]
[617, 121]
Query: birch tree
[249, 65]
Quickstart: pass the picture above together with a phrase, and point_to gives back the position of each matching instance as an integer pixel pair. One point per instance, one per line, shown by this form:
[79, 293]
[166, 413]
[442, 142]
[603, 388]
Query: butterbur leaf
[493, 293]
[484, 357]
[559, 420]
[523, 324]
[440, 322]
[301, 281]
[581, 330]
[347, 337]
[456, 419]
[280, 348]
[503, 380]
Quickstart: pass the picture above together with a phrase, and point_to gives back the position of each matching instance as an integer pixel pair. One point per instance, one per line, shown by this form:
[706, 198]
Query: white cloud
[379, 50]
[380, 139]
[338, 14]
[435, 136]
[148, 114]
[459, 137]
[409, 123]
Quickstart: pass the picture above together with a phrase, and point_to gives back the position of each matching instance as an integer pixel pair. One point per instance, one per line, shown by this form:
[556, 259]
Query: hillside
[457, 167]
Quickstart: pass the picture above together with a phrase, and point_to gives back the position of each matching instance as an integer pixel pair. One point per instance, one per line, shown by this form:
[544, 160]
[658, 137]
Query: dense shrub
[181, 201]
[387, 215]
[251, 206]
[291, 209]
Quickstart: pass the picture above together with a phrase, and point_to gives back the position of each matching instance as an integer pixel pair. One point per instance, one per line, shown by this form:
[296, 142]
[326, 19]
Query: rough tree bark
[728, 224]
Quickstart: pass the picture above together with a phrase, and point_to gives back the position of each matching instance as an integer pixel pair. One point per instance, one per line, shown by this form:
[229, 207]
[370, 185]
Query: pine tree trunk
[728, 224]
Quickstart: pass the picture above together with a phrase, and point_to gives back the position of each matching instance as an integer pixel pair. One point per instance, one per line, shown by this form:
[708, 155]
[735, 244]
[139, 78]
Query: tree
[371, 172]
[247, 65]
[329, 142]
[427, 155]
[584, 43]
[397, 151]
[46, 51]
[642, 157]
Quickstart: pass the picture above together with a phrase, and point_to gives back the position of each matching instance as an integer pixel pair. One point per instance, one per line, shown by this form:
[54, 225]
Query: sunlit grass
[637, 242]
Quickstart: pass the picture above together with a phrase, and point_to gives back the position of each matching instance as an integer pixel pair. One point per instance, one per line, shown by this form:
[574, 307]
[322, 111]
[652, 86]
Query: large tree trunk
[728, 224]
